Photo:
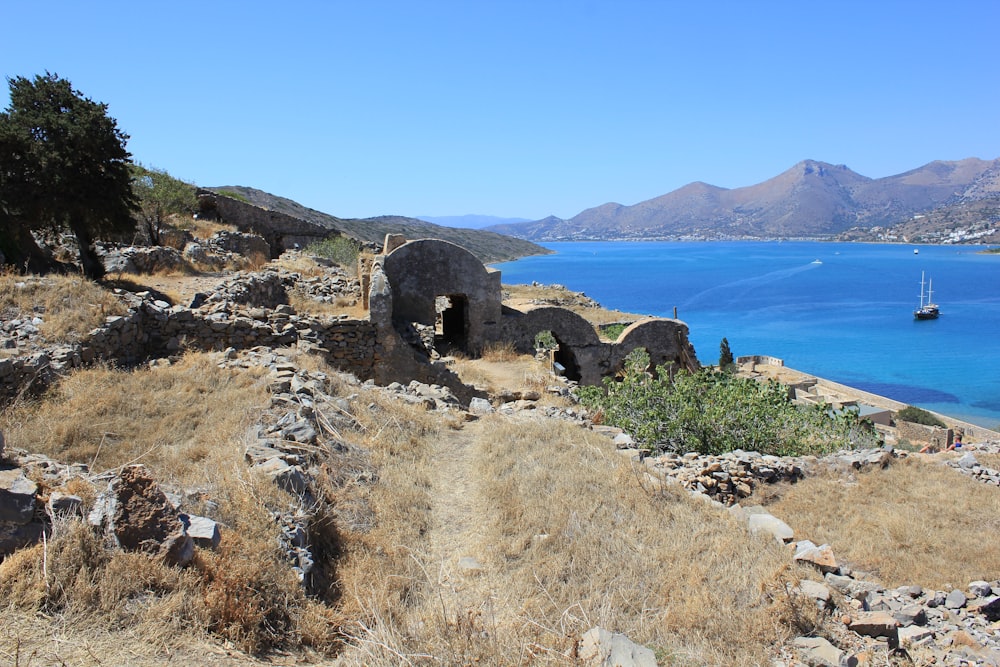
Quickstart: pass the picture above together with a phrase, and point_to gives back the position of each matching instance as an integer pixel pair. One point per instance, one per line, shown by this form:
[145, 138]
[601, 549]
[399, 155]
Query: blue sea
[842, 311]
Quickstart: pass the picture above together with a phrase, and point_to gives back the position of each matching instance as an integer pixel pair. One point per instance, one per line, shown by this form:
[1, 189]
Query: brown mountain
[812, 199]
[488, 246]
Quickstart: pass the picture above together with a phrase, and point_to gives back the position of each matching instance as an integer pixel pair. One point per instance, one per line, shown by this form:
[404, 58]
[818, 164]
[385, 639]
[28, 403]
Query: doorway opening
[451, 322]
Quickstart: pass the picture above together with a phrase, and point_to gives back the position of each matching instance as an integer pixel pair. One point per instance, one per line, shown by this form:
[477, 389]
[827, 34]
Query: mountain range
[470, 220]
[810, 200]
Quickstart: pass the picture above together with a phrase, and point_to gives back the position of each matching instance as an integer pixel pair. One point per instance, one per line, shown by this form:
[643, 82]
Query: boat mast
[921, 289]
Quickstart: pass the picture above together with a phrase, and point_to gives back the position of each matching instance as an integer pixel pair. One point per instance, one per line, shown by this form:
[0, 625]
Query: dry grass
[203, 229]
[988, 460]
[305, 304]
[521, 296]
[71, 306]
[568, 539]
[916, 522]
[506, 371]
[177, 420]
[186, 423]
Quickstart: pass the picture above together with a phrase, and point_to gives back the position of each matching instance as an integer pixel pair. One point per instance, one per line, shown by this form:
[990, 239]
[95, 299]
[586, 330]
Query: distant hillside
[486, 245]
[470, 221]
[812, 199]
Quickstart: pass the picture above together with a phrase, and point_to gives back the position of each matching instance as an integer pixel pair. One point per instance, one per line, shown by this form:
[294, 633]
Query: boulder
[17, 497]
[820, 556]
[203, 531]
[602, 648]
[815, 590]
[988, 607]
[480, 406]
[818, 652]
[771, 525]
[63, 504]
[875, 624]
[955, 600]
[138, 515]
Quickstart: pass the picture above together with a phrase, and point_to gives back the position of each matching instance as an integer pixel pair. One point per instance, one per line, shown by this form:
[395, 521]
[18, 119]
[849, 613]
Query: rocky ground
[868, 624]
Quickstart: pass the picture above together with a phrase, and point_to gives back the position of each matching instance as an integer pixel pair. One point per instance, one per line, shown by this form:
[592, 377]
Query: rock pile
[960, 626]
[132, 511]
[969, 465]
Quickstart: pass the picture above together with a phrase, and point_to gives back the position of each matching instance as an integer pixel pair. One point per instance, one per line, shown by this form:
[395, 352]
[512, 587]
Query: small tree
[725, 355]
[67, 166]
[160, 195]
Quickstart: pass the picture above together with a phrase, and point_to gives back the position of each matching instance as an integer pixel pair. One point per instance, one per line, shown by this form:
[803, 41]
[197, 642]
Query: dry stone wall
[246, 311]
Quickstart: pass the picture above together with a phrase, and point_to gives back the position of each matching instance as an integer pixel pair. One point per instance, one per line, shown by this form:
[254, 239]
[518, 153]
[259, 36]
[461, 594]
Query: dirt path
[455, 560]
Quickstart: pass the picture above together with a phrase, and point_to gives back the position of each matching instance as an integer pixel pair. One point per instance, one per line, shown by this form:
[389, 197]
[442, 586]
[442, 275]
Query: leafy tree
[725, 355]
[68, 167]
[160, 195]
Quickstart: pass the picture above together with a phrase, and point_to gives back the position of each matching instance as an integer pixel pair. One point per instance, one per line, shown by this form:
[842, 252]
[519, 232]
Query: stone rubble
[957, 627]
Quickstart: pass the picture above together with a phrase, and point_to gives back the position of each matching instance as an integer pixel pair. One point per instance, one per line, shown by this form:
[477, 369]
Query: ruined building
[428, 297]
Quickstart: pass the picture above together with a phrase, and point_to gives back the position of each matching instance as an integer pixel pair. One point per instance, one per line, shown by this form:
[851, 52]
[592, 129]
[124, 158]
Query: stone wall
[282, 232]
[247, 311]
[926, 435]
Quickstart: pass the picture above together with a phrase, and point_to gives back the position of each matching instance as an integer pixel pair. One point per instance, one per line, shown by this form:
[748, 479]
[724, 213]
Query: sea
[841, 311]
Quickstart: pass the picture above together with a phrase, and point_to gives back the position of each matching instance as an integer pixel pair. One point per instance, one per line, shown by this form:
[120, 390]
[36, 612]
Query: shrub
[341, 250]
[614, 330]
[712, 412]
[917, 415]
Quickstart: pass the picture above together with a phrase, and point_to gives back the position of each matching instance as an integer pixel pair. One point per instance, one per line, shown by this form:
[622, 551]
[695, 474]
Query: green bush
[916, 415]
[713, 412]
[233, 195]
[614, 330]
[341, 250]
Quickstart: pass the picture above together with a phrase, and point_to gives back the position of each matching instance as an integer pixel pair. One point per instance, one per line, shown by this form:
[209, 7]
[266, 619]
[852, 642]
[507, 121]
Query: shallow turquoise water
[842, 311]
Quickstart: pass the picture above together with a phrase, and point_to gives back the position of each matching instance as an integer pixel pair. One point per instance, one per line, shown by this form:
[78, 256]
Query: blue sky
[518, 108]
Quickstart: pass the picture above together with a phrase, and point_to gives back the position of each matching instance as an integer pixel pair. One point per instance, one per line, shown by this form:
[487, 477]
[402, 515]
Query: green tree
[68, 169]
[160, 195]
[725, 355]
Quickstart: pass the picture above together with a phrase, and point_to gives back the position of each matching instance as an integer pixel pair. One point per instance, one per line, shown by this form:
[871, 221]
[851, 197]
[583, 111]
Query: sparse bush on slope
[712, 412]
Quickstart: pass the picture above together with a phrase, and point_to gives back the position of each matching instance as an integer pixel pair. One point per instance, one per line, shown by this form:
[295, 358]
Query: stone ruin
[428, 298]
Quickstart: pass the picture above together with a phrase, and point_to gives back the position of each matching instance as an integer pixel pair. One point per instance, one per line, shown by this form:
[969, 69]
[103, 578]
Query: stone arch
[568, 328]
[427, 273]
[666, 341]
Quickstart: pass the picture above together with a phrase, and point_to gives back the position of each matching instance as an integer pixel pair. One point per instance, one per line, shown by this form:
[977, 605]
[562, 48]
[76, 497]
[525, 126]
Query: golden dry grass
[496, 372]
[568, 539]
[520, 296]
[71, 306]
[988, 460]
[203, 229]
[186, 423]
[178, 420]
[916, 522]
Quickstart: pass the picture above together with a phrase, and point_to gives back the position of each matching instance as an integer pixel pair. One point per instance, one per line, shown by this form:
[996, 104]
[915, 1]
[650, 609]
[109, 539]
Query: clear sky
[520, 108]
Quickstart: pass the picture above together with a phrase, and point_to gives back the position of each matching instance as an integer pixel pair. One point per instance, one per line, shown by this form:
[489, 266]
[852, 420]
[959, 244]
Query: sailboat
[928, 310]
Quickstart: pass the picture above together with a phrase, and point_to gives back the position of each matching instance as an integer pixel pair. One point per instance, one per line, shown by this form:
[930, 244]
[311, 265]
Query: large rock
[818, 652]
[602, 648]
[770, 525]
[820, 556]
[875, 624]
[138, 515]
[17, 497]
